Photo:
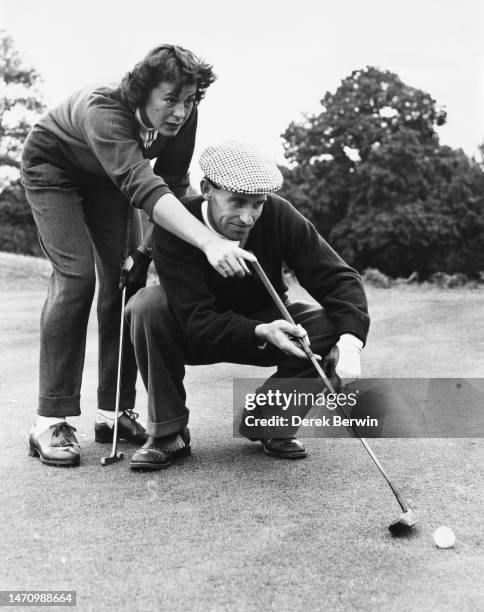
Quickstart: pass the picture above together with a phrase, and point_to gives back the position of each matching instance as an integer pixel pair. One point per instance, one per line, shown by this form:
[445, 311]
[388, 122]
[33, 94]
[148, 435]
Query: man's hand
[348, 366]
[135, 270]
[283, 335]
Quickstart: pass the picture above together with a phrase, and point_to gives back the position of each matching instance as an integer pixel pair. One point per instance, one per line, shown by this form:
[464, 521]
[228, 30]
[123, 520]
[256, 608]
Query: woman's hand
[224, 255]
[227, 257]
[135, 270]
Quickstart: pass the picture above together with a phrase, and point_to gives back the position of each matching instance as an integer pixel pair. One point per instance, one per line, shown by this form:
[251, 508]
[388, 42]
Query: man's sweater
[218, 315]
[92, 141]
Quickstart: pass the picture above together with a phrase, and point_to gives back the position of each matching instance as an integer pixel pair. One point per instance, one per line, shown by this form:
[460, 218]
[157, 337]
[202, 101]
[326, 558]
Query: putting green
[230, 528]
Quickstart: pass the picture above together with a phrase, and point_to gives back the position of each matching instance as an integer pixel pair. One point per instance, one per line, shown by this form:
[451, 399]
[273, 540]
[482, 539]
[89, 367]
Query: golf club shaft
[127, 249]
[118, 382]
[285, 313]
[403, 504]
[115, 456]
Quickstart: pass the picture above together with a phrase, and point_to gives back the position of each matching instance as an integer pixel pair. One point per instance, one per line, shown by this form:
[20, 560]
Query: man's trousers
[162, 352]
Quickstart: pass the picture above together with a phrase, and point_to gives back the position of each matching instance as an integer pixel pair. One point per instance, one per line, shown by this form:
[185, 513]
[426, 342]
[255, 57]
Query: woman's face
[169, 105]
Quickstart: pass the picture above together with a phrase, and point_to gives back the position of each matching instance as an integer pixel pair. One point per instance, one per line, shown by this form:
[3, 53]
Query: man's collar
[207, 222]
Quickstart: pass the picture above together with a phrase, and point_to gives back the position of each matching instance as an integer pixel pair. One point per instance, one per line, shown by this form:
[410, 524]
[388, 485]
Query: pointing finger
[243, 265]
[245, 254]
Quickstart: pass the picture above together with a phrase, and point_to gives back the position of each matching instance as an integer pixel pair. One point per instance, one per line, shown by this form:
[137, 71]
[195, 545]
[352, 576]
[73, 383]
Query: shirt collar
[142, 125]
[207, 222]
[148, 134]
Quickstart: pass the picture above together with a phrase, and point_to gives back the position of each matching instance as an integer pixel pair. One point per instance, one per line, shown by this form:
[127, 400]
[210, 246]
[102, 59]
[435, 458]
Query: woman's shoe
[128, 429]
[56, 445]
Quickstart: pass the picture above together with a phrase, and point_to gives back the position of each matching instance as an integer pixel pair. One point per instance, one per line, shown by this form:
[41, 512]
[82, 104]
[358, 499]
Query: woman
[84, 166]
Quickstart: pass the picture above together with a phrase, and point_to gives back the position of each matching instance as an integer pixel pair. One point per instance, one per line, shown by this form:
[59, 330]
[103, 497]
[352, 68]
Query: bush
[18, 232]
[449, 281]
[375, 278]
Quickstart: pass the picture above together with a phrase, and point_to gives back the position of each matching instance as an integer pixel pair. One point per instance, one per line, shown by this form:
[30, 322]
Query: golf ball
[444, 537]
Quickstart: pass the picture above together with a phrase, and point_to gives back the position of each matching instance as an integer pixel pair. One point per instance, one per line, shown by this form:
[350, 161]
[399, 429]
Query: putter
[115, 456]
[406, 520]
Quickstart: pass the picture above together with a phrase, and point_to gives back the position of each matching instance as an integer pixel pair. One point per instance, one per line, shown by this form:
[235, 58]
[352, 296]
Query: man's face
[232, 214]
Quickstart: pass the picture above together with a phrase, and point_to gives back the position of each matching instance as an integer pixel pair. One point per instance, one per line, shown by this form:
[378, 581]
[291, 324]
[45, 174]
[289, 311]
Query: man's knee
[303, 310]
[319, 326]
[148, 308]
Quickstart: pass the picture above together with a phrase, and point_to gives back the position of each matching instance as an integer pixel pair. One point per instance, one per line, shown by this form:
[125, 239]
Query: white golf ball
[444, 537]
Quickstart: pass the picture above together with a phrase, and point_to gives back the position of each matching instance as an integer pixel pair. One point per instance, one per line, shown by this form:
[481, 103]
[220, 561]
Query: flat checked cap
[239, 167]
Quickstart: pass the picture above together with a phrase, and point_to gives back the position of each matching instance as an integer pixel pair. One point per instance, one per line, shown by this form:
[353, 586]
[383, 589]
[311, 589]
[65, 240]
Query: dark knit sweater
[92, 141]
[217, 314]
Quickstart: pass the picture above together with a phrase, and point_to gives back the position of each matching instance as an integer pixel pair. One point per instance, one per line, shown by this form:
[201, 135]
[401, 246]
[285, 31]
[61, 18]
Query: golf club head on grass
[112, 459]
[403, 523]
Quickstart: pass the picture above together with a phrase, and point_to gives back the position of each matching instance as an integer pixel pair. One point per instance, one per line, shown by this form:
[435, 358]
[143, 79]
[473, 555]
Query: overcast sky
[275, 58]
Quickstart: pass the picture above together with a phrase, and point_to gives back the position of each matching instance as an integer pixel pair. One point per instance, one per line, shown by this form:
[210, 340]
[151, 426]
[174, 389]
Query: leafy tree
[370, 173]
[20, 106]
[369, 106]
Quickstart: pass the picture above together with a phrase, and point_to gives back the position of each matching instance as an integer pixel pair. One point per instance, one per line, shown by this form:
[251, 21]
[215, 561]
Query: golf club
[406, 520]
[114, 457]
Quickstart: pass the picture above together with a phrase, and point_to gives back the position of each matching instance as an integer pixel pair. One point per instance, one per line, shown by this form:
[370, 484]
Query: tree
[370, 173]
[20, 106]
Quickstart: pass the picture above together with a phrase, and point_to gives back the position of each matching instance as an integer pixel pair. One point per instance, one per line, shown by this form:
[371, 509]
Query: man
[198, 317]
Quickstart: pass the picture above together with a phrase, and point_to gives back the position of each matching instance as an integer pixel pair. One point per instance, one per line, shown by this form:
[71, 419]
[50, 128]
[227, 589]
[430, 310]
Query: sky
[274, 59]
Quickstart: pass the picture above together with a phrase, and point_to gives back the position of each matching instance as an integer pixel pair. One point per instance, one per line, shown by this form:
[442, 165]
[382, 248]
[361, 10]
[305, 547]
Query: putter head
[112, 459]
[403, 523]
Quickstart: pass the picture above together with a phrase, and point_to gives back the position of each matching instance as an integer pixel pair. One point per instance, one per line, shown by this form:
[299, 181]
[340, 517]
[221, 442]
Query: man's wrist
[261, 341]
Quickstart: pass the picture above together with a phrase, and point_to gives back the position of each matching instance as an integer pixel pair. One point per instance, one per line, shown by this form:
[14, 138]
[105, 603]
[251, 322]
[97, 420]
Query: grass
[232, 529]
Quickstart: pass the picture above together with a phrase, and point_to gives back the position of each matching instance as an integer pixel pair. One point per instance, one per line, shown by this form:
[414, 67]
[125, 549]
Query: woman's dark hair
[169, 63]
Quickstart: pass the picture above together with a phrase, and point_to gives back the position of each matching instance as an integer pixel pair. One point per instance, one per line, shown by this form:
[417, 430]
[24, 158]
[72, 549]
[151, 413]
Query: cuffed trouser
[79, 231]
[162, 351]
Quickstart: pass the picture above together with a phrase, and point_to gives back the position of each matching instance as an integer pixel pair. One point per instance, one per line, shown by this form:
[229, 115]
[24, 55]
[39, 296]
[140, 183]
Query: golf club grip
[285, 313]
